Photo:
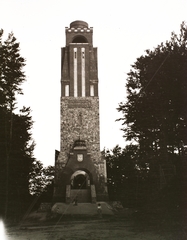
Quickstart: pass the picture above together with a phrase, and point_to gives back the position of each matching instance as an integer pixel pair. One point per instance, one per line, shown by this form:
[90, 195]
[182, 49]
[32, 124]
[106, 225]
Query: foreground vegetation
[149, 173]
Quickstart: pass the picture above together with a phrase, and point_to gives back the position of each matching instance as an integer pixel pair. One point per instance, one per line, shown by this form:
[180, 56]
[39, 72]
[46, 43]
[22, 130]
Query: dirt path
[85, 230]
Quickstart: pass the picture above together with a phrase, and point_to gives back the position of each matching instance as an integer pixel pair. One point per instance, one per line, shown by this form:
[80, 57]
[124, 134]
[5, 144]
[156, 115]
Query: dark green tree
[41, 179]
[127, 174]
[36, 178]
[114, 171]
[16, 145]
[154, 115]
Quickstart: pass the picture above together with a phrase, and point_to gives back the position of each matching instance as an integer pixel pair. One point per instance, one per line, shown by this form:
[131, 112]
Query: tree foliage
[16, 144]
[154, 120]
[41, 178]
[126, 174]
[11, 69]
[154, 115]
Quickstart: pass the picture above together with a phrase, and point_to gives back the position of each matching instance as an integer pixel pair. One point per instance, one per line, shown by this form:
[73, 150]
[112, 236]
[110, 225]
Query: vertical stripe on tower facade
[83, 71]
[75, 72]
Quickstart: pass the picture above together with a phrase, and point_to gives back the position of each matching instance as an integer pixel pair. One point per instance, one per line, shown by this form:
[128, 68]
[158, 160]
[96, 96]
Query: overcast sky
[122, 31]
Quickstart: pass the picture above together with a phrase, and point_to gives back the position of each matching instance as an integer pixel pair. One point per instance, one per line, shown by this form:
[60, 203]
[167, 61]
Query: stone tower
[80, 170]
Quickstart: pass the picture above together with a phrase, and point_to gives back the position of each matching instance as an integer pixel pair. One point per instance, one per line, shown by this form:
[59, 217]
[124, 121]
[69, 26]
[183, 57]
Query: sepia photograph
[93, 120]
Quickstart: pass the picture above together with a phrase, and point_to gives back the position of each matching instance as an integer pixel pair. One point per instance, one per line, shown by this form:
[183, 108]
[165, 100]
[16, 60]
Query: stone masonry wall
[80, 119]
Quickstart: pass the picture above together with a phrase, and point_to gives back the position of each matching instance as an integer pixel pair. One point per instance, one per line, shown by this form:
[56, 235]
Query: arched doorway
[80, 186]
[79, 39]
[80, 180]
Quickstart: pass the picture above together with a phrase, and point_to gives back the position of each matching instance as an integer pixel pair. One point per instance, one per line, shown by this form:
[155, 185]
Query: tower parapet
[79, 32]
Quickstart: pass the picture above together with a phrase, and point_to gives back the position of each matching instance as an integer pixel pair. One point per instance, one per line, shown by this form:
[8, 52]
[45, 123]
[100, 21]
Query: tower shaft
[80, 133]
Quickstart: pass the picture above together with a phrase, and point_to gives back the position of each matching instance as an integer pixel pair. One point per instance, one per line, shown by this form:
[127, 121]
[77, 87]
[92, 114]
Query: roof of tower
[79, 24]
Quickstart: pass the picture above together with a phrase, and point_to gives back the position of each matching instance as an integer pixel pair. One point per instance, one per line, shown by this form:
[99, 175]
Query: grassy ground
[164, 217]
[124, 224]
[87, 229]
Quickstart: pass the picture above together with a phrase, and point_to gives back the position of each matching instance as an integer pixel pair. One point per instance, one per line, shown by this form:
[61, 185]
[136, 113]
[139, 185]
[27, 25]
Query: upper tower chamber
[79, 62]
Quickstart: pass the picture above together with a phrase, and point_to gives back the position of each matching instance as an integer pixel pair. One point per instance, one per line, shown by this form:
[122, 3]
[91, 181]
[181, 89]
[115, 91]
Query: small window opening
[66, 90]
[92, 90]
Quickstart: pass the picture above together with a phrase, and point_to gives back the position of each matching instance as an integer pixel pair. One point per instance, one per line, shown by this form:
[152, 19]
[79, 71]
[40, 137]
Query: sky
[122, 31]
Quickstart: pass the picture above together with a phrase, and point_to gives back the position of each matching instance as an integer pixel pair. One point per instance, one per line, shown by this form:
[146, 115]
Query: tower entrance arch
[80, 187]
[80, 180]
